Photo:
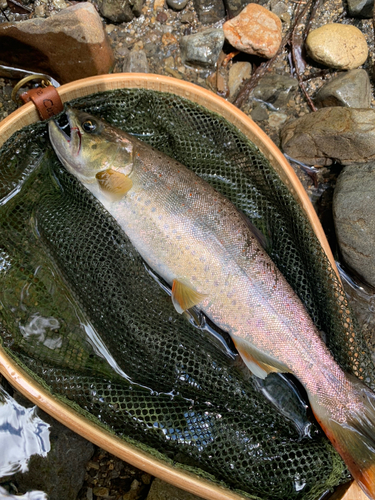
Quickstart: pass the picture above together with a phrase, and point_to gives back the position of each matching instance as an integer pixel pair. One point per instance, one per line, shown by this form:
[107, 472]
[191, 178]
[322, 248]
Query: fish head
[91, 146]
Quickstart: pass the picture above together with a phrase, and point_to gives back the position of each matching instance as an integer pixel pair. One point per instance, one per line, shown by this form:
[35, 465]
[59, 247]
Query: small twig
[229, 57]
[314, 8]
[340, 17]
[299, 76]
[250, 84]
[295, 60]
[3, 13]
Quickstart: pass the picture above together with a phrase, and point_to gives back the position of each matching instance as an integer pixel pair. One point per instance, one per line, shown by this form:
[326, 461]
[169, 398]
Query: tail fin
[351, 430]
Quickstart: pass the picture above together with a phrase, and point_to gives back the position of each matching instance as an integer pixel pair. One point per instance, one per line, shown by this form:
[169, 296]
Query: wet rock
[340, 46]
[68, 46]
[279, 8]
[135, 62]
[354, 216]
[275, 89]
[259, 113]
[238, 73]
[177, 4]
[361, 8]
[209, 11]
[165, 491]
[346, 135]
[255, 30]
[202, 48]
[352, 89]
[61, 473]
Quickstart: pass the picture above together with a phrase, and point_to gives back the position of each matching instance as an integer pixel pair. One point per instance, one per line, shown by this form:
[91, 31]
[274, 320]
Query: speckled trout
[199, 243]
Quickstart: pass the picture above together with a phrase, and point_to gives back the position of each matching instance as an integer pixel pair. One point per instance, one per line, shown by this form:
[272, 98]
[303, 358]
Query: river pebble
[339, 46]
[255, 30]
[117, 11]
[354, 216]
[352, 89]
[275, 89]
[341, 134]
[238, 73]
[202, 48]
[135, 62]
[177, 4]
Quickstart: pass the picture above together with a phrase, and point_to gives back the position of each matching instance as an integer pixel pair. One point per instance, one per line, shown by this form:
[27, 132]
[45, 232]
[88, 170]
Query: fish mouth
[65, 135]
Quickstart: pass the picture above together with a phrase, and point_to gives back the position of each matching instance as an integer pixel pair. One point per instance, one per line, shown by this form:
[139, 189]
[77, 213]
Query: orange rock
[255, 30]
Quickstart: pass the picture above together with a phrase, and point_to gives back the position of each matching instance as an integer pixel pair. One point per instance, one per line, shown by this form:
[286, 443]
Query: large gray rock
[354, 216]
[68, 46]
[209, 11]
[351, 88]
[202, 48]
[341, 134]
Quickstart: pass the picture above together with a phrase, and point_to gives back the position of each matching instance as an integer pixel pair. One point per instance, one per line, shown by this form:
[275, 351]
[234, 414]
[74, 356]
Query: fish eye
[89, 126]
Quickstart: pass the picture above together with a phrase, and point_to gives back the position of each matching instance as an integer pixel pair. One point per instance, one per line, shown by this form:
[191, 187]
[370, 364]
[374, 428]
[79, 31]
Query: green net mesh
[80, 311]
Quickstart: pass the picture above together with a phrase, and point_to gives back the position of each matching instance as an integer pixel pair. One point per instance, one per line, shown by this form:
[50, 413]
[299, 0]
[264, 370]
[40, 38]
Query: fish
[214, 259]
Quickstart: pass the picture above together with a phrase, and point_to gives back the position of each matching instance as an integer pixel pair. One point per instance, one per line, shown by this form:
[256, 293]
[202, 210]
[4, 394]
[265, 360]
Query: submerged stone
[67, 46]
[351, 89]
[341, 134]
[354, 217]
[203, 48]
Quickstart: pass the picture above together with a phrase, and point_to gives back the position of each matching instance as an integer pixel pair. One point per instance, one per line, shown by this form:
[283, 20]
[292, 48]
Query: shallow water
[22, 434]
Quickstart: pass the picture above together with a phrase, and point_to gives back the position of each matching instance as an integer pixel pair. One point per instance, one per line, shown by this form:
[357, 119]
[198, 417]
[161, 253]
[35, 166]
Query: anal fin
[259, 363]
[184, 297]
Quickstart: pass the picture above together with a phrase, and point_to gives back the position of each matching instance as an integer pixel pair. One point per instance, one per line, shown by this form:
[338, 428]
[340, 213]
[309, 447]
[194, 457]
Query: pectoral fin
[184, 297]
[259, 363]
[114, 183]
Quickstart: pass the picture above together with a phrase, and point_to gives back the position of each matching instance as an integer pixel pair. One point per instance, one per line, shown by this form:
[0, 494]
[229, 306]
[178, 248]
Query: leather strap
[46, 99]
